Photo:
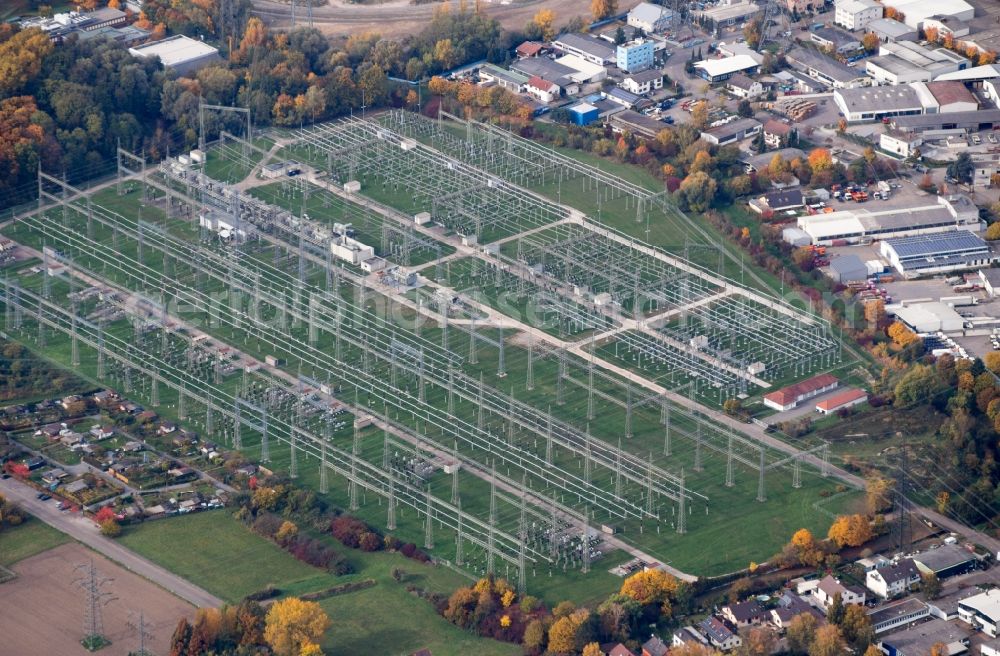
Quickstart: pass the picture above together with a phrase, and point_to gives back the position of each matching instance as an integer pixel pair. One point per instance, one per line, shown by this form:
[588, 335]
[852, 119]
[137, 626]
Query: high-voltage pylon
[96, 597]
[143, 633]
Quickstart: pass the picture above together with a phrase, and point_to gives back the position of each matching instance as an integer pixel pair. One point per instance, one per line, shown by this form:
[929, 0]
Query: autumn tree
[878, 493]
[181, 638]
[534, 637]
[850, 531]
[592, 649]
[697, 191]
[21, 58]
[757, 641]
[544, 21]
[916, 385]
[856, 628]
[292, 624]
[828, 642]
[602, 9]
[652, 586]
[870, 41]
[800, 633]
[820, 160]
[931, 34]
[931, 585]
[567, 635]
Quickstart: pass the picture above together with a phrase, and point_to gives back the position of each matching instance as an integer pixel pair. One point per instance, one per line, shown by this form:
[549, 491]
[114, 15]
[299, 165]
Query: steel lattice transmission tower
[96, 597]
[142, 631]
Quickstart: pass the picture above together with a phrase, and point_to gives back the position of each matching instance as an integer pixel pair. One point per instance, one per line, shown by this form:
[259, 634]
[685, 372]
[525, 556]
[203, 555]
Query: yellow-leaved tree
[293, 626]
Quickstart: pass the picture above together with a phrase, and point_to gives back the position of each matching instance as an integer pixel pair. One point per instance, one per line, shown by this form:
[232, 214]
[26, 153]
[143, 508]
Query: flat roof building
[919, 640]
[836, 40]
[828, 71]
[915, 12]
[947, 560]
[636, 123]
[899, 62]
[944, 213]
[982, 611]
[180, 53]
[732, 132]
[875, 103]
[889, 30]
[940, 252]
[984, 119]
[856, 14]
[717, 70]
[725, 15]
[592, 50]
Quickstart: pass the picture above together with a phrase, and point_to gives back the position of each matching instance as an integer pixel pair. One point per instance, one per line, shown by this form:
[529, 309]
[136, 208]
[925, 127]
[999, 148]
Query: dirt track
[398, 17]
[41, 611]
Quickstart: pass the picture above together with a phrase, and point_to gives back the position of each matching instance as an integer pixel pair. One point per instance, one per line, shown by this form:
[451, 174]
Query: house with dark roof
[745, 613]
[617, 650]
[654, 647]
[742, 86]
[790, 606]
[893, 580]
[778, 200]
[688, 636]
[719, 634]
[830, 587]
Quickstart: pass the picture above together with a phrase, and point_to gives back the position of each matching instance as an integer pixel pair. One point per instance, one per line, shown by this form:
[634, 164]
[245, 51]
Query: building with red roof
[848, 398]
[788, 397]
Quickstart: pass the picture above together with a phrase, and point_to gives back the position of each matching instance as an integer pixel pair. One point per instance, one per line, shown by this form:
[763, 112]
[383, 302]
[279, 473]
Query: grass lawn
[225, 558]
[218, 553]
[30, 538]
[389, 615]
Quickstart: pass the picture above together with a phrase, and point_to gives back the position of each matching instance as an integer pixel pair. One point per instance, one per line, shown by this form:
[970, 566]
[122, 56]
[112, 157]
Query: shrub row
[343, 588]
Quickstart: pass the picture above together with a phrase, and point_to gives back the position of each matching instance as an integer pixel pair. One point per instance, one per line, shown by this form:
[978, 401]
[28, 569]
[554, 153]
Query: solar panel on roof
[942, 242]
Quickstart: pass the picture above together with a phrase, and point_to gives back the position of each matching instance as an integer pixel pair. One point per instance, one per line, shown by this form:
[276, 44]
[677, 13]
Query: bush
[267, 525]
[267, 593]
[110, 528]
[348, 530]
[392, 543]
[369, 542]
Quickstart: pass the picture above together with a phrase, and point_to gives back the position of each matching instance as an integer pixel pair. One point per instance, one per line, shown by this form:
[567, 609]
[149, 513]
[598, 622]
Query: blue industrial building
[635, 56]
[584, 114]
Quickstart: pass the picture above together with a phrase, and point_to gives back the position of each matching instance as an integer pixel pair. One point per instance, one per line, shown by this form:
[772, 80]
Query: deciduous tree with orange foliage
[603, 8]
[820, 160]
[293, 625]
[850, 531]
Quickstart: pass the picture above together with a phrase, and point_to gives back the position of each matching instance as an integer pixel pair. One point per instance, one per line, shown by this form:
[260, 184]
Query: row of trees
[493, 609]
[290, 627]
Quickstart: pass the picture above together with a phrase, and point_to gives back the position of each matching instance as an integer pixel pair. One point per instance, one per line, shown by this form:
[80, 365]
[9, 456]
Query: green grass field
[30, 538]
[218, 553]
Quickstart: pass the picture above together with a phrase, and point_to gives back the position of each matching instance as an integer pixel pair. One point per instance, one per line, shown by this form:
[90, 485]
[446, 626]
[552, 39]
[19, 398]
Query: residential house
[745, 613]
[104, 397]
[649, 18]
[71, 440]
[654, 647]
[894, 580]
[777, 133]
[145, 417]
[790, 606]
[643, 82]
[70, 401]
[53, 476]
[34, 462]
[778, 201]
[50, 431]
[617, 650]
[742, 86]
[719, 634]
[76, 487]
[543, 90]
[102, 432]
[830, 587]
[687, 636]
[531, 49]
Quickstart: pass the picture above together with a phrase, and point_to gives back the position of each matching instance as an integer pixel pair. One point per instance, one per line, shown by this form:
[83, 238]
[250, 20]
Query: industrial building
[583, 114]
[788, 397]
[842, 400]
[928, 317]
[725, 15]
[848, 268]
[718, 70]
[943, 214]
[991, 281]
[897, 614]
[889, 30]
[732, 132]
[649, 18]
[586, 71]
[984, 119]
[875, 103]
[835, 40]
[921, 639]
[940, 252]
[915, 12]
[947, 560]
[547, 69]
[982, 611]
[634, 56]
[856, 14]
[61, 25]
[636, 123]
[899, 62]
[829, 71]
[180, 53]
[587, 48]
[510, 80]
